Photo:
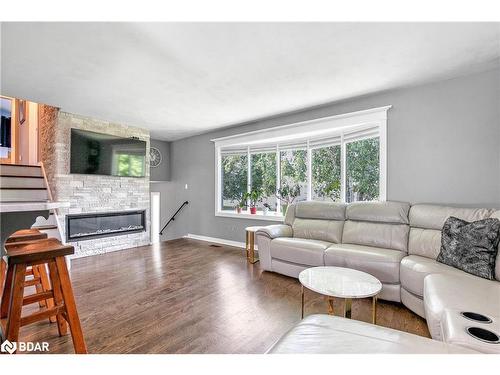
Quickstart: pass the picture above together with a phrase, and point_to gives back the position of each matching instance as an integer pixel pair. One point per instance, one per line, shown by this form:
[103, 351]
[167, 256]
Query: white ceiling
[180, 79]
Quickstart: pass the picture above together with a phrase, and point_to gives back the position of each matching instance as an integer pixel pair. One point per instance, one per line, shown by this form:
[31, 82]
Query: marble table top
[340, 282]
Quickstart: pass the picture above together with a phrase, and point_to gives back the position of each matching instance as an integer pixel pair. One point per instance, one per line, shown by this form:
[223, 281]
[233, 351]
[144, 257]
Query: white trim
[244, 215]
[319, 126]
[216, 240]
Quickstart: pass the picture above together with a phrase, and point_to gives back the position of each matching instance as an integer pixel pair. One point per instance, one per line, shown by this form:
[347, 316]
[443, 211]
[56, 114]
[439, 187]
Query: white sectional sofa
[395, 242]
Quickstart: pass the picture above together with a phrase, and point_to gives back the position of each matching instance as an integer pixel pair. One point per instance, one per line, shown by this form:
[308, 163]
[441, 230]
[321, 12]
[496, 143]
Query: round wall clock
[154, 157]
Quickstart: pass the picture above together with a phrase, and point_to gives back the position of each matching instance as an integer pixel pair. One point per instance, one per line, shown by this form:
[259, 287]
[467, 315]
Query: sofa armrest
[275, 231]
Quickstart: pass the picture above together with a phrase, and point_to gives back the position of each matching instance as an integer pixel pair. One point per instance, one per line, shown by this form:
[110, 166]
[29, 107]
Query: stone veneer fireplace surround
[92, 194]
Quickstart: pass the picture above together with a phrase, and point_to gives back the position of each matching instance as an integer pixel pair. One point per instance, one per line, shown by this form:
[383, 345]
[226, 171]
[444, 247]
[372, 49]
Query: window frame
[374, 119]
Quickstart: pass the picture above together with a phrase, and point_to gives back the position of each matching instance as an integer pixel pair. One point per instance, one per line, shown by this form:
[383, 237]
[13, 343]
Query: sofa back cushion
[378, 224]
[317, 220]
[426, 222]
[496, 215]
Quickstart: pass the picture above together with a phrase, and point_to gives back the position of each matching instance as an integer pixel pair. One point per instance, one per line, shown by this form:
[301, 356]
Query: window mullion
[249, 174]
[278, 178]
[342, 168]
[309, 173]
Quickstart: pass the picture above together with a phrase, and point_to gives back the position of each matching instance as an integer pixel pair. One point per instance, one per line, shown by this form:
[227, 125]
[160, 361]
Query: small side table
[250, 244]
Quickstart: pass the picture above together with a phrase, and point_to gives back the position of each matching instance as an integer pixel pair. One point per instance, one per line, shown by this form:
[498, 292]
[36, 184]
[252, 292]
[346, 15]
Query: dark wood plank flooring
[186, 296]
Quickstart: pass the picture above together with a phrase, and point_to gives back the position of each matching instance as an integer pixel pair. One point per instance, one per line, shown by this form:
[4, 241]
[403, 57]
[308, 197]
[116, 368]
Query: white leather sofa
[326, 334]
[396, 243]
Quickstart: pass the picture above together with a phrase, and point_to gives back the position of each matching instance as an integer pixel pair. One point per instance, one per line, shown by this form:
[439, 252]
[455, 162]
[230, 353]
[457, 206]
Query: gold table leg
[374, 310]
[250, 247]
[302, 299]
[330, 305]
[347, 308]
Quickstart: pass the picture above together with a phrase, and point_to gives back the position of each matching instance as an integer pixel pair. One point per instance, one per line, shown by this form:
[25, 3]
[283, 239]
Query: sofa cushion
[389, 236]
[429, 216]
[465, 293]
[471, 247]
[379, 262]
[299, 250]
[326, 334]
[380, 212]
[415, 268]
[424, 242]
[316, 229]
[320, 210]
[426, 222]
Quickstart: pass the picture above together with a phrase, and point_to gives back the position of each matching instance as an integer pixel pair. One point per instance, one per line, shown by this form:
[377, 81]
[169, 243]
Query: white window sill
[271, 216]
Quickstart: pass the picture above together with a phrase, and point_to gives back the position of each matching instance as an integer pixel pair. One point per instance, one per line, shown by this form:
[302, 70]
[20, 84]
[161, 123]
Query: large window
[337, 159]
[234, 179]
[263, 179]
[293, 177]
[326, 173]
[363, 172]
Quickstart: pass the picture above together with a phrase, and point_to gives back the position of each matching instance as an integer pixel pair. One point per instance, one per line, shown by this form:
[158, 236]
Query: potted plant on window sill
[266, 209]
[242, 203]
[254, 197]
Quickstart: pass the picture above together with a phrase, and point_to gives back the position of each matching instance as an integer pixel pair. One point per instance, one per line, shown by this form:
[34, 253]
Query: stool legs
[58, 298]
[7, 291]
[44, 285]
[71, 311]
[16, 302]
[3, 269]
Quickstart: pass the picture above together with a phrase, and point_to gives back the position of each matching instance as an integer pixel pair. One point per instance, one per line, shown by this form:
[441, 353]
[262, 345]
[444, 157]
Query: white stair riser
[19, 170]
[21, 182]
[23, 195]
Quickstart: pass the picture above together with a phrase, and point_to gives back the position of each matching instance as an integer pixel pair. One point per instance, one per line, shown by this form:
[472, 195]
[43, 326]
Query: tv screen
[104, 154]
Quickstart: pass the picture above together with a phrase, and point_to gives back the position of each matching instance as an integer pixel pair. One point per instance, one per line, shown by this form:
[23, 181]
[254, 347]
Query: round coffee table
[343, 283]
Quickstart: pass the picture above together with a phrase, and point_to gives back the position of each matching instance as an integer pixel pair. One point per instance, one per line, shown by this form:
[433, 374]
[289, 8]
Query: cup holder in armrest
[475, 316]
[483, 335]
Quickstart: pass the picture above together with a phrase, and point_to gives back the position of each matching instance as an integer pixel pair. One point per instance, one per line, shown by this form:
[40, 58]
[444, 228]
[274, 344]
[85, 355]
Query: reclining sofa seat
[429, 287]
[309, 229]
[373, 239]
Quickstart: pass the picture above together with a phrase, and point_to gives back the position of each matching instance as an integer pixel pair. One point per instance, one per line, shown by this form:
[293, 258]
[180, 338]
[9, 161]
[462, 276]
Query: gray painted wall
[161, 172]
[443, 147]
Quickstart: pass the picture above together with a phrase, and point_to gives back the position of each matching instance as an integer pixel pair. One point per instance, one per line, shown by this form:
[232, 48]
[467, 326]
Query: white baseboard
[217, 240]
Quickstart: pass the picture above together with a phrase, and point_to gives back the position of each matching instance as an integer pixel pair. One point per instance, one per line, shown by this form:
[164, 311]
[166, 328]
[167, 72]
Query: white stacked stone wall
[93, 193]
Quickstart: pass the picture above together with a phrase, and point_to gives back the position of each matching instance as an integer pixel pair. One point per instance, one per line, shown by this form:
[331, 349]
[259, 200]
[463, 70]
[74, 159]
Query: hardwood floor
[186, 296]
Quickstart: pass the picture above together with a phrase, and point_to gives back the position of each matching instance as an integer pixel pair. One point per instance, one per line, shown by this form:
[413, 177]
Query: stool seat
[24, 235]
[36, 251]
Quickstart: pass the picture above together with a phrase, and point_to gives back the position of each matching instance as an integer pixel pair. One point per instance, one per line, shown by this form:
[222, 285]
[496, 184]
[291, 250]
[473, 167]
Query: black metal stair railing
[173, 216]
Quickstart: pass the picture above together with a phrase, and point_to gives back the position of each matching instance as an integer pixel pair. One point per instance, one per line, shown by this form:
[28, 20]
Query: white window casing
[307, 135]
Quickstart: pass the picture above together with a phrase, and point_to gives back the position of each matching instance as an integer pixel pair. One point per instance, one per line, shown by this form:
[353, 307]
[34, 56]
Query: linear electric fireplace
[106, 224]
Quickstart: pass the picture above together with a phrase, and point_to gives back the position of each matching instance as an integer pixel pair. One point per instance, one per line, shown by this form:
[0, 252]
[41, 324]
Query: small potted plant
[267, 208]
[241, 203]
[254, 197]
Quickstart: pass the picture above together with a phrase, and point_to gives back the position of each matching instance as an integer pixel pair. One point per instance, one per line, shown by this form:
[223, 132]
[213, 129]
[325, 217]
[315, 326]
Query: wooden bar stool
[19, 257]
[35, 276]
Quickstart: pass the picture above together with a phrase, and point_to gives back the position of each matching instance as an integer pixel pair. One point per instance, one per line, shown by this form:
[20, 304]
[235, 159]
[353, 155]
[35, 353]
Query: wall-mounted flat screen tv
[104, 154]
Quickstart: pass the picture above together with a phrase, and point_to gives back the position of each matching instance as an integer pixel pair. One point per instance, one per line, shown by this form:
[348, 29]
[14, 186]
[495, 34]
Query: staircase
[28, 183]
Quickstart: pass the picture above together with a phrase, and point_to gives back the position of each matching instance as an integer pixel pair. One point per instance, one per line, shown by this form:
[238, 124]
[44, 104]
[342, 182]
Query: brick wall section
[92, 193]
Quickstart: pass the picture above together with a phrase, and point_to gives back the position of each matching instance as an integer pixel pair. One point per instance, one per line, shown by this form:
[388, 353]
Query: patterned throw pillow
[471, 247]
